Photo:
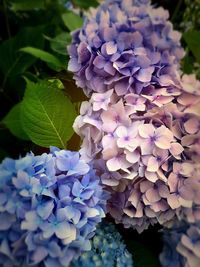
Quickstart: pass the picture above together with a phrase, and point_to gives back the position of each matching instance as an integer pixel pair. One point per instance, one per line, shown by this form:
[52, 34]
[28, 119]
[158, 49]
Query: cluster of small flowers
[49, 208]
[125, 45]
[141, 126]
[150, 150]
[108, 249]
[181, 246]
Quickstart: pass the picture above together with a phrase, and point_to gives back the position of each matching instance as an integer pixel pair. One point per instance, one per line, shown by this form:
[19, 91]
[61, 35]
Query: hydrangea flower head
[125, 46]
[181, 246]
[150, 148]
[56, 201]
[108, 249]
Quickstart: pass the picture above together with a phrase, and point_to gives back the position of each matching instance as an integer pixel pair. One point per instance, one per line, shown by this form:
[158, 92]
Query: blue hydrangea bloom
[108, 249]
[125, 45]
[55, 201]
[181, 246]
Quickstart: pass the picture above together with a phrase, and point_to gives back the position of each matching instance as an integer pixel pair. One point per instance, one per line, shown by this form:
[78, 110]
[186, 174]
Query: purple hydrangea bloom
[181, 246]
[150, 148]
[126, 46]
[55, 200]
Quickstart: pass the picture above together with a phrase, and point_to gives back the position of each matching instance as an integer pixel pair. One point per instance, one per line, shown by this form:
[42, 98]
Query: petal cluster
[108, 249]
[181, 246]
[49, 208]
[150, 148]
[126, 46]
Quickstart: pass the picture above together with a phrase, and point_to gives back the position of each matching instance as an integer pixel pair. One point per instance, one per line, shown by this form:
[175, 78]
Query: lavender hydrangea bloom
[108, 249]
[126, 46]
[150, 147]
[181, 246]
[56, 201]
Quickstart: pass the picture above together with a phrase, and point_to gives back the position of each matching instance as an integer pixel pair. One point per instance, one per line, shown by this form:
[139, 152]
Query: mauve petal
[146, 147]
[121, 87]
[146, 130]
[132, 157]
[173, 182]
[121, 131]
[73, 65]
[176, 149]
[144, 186]
[99, 62]
[145, 75]
[185, 203]
[111, 48]
[109, 33]
[152, 195]
[163, 142]
[113, 164]
[173, 201]
[108, 67]
[83, 53]
[187, 99]
[192, 125]
[134, 198]
[151, 176]
[137, 38]
[143, 62]
[163, 191]
[152, 164]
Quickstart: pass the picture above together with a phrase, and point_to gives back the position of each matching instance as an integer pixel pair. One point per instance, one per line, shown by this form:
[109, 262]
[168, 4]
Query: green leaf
[60, 42]
[47, 115]
[24, 5]
[187, 64]
[13, 122]
[192, 39]
[72, 21]
[50, 59]
[142, 256]
[14, 63]
[57, 83]
[86, 4]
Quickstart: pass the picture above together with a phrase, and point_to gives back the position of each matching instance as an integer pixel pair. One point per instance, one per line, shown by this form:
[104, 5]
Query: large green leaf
[72, 21]
[192, 39]
[142, 256]
[60, 42]
[13, 62]
[50, 59]
[47, 115]
[25, 5]
[13, 122]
